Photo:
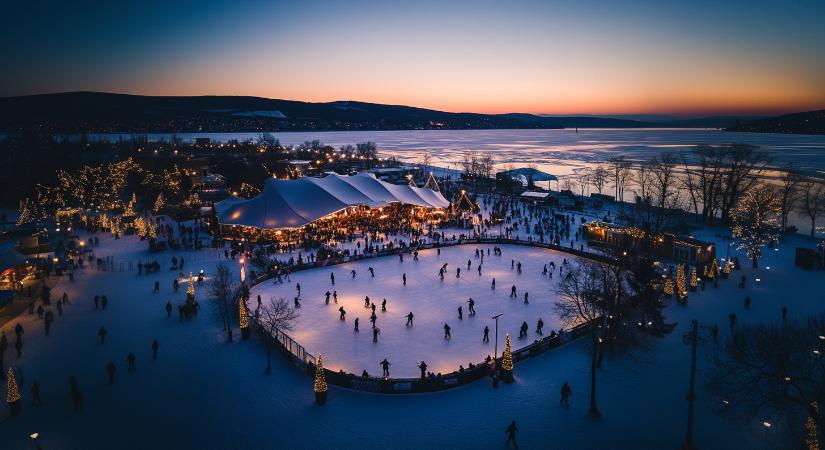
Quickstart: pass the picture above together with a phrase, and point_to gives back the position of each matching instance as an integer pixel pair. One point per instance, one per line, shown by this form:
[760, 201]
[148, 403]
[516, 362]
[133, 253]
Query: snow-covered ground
[432, 301]
[204, 392]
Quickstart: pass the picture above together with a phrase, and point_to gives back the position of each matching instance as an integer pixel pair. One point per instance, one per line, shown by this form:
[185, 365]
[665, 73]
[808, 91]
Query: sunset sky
[687, 58]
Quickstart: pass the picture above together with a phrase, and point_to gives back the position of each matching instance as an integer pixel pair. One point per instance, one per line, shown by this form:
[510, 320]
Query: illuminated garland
[507, 358]
[320, 380]
[12, 391]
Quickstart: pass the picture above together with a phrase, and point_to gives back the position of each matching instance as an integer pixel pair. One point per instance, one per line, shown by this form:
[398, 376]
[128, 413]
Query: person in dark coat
[566, 392]
[423, 367]
[110, 370]
[385, 365]
[511, 432]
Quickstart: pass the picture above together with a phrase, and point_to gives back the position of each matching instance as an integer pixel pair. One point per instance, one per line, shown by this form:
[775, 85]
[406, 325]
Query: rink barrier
[306, 361]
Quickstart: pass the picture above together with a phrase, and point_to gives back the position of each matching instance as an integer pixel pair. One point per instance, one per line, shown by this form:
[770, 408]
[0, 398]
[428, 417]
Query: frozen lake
[555, 151]
[432, 301]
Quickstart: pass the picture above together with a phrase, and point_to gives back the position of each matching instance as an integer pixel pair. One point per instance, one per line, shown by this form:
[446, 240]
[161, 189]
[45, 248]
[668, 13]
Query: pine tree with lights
[27, 212]
[159, 203]
[320, 386]
[243, 319]
[680, 281]
[506, 367]
[694, 279]
[130, 207]
[190, 289]
[668, 289]
[714, 270]
[12, 394]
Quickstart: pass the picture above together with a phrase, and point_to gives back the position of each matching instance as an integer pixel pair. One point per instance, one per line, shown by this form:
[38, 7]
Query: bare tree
[580, 301]
[812, 202]
[599, 176]
[643, 179]
[756, 220]
[426, 162]
[774, 372]
[788, 191]
[620, 175]
[742, 166]
[221, 292]
[664, 178]
[277, 316]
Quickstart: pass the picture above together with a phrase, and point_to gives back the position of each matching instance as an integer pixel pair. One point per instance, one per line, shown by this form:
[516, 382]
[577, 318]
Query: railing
[306, 361]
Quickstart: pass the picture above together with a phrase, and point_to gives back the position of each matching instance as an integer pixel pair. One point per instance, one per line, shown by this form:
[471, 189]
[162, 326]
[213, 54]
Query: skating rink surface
[432, 301]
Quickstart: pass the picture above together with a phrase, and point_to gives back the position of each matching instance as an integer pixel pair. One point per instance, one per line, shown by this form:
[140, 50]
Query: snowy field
[432, 301]
[204, 392]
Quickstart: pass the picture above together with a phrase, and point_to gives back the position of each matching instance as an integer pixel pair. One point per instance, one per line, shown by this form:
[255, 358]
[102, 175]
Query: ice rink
[432, 301]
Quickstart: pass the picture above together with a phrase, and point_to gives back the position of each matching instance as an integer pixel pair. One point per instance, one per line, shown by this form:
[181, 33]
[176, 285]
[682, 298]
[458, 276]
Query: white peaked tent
[295, 203]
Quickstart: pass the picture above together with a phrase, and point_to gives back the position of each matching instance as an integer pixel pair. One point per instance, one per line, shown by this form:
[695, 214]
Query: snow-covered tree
[757, 220]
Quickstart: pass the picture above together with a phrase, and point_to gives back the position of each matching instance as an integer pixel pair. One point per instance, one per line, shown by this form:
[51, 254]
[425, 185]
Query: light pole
[693, 339]
[495, 351]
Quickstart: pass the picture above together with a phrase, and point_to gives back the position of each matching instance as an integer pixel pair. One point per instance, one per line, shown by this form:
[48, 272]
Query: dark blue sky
[685, 57]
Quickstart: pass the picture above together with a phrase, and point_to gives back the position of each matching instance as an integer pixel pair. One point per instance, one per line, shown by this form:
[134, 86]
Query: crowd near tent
[285, 204]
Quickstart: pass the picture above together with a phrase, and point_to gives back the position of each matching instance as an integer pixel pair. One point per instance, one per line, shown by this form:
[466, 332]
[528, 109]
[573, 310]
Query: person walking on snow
[566, 392]
[511, 432]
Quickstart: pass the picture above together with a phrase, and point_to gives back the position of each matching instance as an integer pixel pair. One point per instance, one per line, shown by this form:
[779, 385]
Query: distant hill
[97, 112]
[811, 122]
[104, 112]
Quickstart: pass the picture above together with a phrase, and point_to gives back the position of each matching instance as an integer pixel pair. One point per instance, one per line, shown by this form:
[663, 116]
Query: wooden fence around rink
[306, 361]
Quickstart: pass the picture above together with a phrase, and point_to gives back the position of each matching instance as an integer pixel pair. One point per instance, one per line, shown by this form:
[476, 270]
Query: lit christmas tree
[12, 394]
[714, 269]
[130, 207]
[320, 386]
[680, 281]
[243, 319]
[694, 279]
[27, 212]
[190, 290]
[668, 289]
[506, 369]
[159, 203]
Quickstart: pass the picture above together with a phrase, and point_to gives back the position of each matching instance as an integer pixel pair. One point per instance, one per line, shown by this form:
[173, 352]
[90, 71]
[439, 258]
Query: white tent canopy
[295, 203]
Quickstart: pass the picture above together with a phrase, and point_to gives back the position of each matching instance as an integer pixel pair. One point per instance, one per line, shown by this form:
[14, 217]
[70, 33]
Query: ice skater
[493, 284]
[539, 326]
[384, 305]
[486, 337]
[372, 272]
[373, 319]
[375, 332]
[513, 291]
[343, 313]
[356, 325]
[471, 307]
[385, 366]
[326, 300]
[335, 297]
[404, 279]
[460, 313]
[409, 319]
[366, 302]
[523, 330]
[423, 367]
[447, 332]
[525, 298]
[353, 273]
[332, 278]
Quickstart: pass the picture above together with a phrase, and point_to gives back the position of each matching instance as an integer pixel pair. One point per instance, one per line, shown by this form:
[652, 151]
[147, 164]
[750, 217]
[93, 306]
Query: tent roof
[294, 203]
[9, 256]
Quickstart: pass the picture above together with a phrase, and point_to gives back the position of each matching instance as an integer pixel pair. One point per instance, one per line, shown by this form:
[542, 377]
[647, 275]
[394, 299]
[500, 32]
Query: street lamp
[495, 351]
